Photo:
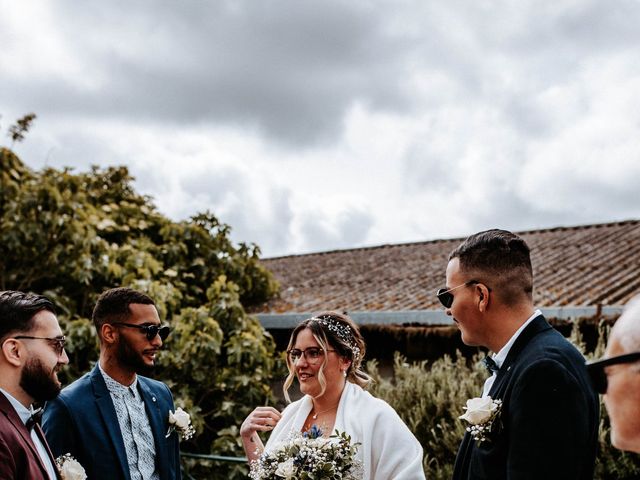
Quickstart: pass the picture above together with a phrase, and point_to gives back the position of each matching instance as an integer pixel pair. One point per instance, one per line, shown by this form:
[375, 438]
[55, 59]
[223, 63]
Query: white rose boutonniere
[70, 468]
[481, 414]
[181, 421]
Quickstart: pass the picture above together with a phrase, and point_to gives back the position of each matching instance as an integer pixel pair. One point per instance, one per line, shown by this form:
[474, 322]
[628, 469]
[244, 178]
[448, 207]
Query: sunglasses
[598, 374]
[149, 330]
[312, 354]
[57, 343]
[446, 297]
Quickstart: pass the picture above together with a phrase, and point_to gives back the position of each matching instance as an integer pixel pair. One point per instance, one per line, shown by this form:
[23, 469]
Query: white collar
[501, 356]
[23, 412]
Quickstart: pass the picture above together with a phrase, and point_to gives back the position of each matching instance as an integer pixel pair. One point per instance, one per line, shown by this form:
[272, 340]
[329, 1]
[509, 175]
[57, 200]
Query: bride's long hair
[333, 331]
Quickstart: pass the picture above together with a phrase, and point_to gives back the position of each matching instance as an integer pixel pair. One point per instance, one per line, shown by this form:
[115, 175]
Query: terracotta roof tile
[573, 266]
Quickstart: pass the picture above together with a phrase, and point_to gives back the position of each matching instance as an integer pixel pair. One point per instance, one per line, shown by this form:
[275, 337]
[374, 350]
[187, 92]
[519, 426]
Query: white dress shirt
[24, 413]
[501, 356]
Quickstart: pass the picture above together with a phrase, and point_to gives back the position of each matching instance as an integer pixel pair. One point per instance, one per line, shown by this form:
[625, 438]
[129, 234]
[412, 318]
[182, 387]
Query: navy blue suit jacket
[82, 421]
[550, 415]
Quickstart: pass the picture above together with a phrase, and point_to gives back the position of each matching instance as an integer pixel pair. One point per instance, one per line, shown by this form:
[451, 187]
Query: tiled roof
[573, 266]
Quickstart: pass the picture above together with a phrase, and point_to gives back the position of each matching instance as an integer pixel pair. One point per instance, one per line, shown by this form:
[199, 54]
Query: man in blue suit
[113, 420]
[545, 417]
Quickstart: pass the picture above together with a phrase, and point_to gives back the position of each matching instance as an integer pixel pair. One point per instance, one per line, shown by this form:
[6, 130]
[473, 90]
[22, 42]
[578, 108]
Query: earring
[344, 373]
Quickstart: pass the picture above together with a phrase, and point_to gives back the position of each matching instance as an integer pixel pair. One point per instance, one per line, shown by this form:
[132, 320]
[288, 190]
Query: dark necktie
[35, 418]
[490, 365]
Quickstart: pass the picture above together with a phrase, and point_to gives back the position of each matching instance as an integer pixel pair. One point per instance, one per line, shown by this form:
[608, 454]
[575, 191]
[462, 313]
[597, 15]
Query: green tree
[73, 235]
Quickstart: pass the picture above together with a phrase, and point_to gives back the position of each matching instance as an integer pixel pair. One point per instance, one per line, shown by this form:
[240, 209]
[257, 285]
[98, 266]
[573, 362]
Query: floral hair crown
[342, 331]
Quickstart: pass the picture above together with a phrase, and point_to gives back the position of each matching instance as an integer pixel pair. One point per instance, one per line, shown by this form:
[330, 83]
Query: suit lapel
[21, 428]
[108, 413]
[537, 325]
[43, 439]
[157, 422]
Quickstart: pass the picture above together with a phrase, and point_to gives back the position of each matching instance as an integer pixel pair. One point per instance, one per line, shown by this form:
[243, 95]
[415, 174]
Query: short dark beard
[39, 383]
[128, 357]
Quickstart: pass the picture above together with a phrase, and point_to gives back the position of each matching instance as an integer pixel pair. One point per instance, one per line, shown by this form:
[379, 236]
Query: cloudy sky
[316, 125]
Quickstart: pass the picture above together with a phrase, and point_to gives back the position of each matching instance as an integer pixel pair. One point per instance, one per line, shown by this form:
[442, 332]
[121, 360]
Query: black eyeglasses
[312, 354]
[446, 297]
[599, 375]
[149, 330]
[57, 343]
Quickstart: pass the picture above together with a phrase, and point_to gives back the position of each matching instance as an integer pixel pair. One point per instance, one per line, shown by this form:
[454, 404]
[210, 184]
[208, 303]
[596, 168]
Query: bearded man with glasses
[617, 377]
[545, 420]
[114, 420]
[32, 352]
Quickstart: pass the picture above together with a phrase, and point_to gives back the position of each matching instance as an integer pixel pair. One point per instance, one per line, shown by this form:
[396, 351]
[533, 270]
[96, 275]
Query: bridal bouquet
[310, 456]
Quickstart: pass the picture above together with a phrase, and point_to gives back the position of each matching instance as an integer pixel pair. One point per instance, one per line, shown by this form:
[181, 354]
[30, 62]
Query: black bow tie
[490, 365]
[36, 417]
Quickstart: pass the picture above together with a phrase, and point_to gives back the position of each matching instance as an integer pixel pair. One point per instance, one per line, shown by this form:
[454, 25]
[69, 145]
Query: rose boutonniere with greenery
[180, 421]
[482, 415]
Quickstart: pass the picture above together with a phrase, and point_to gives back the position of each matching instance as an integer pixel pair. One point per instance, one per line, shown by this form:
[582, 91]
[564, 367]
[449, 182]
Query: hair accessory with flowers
[342, 331]
[309, 455]
[482, 414]
[180, 421]
[70, 468]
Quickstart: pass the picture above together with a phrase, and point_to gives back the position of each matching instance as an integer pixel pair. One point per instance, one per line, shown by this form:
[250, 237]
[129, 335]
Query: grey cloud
[263, 217]
[349, 229]
[214, 183]
[271, 232]
[288, 69]
[583, 202]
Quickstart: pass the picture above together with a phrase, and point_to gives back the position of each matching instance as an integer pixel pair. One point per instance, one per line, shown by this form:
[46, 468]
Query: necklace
[315, 416]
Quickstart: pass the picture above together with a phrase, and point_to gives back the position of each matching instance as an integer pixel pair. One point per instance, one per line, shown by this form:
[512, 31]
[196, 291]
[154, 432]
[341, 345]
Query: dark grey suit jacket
[549, 421]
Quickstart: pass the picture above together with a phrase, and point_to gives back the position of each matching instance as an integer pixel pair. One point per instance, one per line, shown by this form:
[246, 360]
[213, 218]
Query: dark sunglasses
[446, 297]
[57, 343]
[598, 374]
[149, 330]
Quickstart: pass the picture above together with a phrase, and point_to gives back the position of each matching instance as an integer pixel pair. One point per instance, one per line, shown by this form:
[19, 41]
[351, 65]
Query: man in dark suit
[113, 420]
[547, 424]
[32, 353]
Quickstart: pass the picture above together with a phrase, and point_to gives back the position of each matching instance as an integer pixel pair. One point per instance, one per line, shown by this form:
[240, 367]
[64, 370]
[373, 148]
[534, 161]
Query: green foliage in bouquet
[72, 235]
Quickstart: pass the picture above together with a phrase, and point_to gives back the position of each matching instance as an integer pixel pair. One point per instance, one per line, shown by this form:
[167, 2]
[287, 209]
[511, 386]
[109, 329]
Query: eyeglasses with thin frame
[598, 374]
[312, 354]
[149, 330]
[446, 297]
[57, 343]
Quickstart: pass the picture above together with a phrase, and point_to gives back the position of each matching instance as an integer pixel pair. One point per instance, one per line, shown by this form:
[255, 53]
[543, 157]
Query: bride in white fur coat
[325, 353]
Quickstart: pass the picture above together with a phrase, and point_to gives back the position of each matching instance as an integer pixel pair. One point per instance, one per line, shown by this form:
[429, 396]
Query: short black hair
[113, 305]
[500, 258]
[17, 310]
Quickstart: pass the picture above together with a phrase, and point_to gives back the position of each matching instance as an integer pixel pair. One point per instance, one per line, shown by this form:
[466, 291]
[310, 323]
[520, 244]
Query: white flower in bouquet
[181, 421]
[481, 413]
[286, 469]
[70, 468]
[309, 455]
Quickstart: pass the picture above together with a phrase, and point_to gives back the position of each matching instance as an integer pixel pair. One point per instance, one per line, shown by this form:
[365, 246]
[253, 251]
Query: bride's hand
[262, 419]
